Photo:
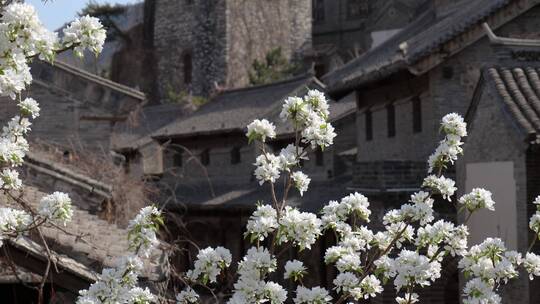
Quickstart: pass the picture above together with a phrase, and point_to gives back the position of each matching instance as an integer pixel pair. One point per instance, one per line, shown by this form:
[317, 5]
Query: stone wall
[219, 167]
[210, 66]
[351, 33]
[223, 38]
[406, 144]
[389, 175]
[256, 27]
[173, 37]
[493, 139]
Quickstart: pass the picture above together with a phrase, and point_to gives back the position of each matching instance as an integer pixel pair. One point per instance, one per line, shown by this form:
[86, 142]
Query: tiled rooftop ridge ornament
[514, 51]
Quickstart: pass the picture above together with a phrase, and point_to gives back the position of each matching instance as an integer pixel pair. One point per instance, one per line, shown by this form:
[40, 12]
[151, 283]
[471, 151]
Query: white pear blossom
[532, 265]
[477, 291]
[9, 180]
[345, 282]
[268, 168]
[261, 129]
[85, 32]
[358, 205]
[295, 109]
[29, 107]
[454, 124]
[537, 201]
[275, 293]
[142, 230]
[300, 228]
[317, 102]
[301, 181]
[408, 298]
[333, 213]
[440, 185]
[534, 223]
[349, 262]
[257, 263]
[446, 152]
[290, 157]
[318, 133]
[57, 207]
[209, 264]
[262, 222]
[478, 198]
[413, 268]
[12, 222]
[187, 296]
[370, 287]
[334, 253]
[294, 270]
[315, 295]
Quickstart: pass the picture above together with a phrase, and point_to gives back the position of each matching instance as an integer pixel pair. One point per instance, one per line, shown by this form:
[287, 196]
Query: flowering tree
[408, 251]
[23, 39]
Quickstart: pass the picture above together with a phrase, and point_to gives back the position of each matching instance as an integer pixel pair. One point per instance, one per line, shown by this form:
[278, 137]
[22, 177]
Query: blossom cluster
[478, 198]
[534, 222]
[489, 264]
[120, 284]
[56, 207]
[262, 222]
[85, 33]
[300, 228]
[251, 286]
[209, 264]
[409, 251]
[309, 116]
[142, 230]
[23, 37]
[449, 148]
[11, 221]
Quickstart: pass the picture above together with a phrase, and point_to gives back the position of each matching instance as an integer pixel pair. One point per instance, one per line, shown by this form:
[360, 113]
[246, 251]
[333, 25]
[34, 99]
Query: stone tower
[201, 44]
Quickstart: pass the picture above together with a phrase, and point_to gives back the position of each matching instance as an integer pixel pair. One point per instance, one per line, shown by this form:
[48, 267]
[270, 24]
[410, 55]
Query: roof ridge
[280, 82]
[100, 80]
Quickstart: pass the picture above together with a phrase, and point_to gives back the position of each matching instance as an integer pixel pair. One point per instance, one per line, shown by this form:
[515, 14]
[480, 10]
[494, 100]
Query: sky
[54, 13]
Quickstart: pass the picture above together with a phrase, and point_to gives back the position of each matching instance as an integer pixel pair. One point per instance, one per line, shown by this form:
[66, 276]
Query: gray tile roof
[99, 80]
[101, 243]
[136, 130]
[233, 110]
[32, 249]
[420, 38]
[519, 91]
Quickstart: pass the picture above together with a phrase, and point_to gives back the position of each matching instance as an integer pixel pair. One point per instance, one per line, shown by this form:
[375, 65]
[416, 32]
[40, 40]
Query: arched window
[187, 61]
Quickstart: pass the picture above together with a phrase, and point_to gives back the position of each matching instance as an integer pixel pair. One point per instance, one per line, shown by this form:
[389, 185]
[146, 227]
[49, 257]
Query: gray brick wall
[406, 144]
[493, 139]
[224, 38]
[173, 36]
